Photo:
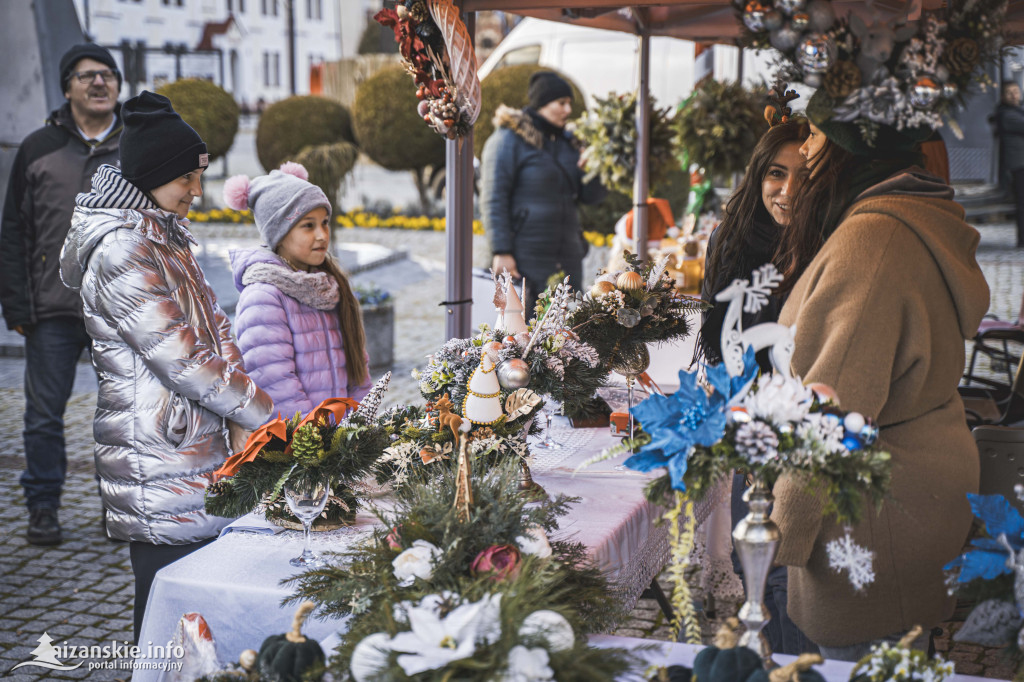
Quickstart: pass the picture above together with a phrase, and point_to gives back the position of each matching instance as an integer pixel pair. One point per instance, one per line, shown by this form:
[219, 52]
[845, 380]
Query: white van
[601, 61]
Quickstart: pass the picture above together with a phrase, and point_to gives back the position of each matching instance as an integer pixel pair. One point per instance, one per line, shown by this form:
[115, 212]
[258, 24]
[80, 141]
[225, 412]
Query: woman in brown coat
[881, 314]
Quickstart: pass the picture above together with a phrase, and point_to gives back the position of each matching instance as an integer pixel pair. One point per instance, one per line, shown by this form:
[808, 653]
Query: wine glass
[306, 498]
[548, 442]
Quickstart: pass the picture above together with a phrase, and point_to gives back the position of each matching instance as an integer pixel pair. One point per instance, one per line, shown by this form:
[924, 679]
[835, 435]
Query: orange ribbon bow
[278, 428]
[258, 439]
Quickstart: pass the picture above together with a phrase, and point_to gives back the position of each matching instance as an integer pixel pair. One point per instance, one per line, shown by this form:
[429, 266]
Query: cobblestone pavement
[82, 591]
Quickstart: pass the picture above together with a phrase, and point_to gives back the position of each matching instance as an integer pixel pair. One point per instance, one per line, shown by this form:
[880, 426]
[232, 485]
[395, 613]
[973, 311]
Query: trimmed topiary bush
[289, 126]
[208, 108]
[508, 86]
[391, 132]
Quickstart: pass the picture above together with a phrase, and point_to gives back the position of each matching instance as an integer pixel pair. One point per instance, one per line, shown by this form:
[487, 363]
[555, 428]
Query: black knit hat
[85, 51]
[157, 146]
[547, 86]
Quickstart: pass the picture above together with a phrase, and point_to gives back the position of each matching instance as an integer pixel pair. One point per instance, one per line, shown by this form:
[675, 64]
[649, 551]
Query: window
[528, 54]
[173, 3]
[271, 69]
[314, 9]
[268, 7]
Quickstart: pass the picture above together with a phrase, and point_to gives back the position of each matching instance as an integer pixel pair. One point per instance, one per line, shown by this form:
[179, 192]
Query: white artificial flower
[827, 430]
[528, 665]
[433, 642]
[535, 542]
[370, 656]
[779, 400]
[415, 562]
[551, 627]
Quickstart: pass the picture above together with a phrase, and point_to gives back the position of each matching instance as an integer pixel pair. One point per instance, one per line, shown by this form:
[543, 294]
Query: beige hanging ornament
[482, 405]
[463, 488]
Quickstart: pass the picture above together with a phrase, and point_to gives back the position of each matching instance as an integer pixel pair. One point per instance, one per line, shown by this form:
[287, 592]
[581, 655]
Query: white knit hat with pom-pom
[278, 201]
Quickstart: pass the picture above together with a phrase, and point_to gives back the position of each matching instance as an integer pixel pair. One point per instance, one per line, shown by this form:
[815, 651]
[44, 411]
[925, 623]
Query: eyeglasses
[87, 77]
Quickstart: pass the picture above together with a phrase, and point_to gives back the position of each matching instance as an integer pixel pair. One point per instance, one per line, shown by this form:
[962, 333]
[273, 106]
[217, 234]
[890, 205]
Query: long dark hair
[351, 321]
[746, 204]
[837, 178]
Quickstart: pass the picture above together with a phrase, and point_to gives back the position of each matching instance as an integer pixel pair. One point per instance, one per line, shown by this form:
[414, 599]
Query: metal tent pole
[459, 230]
[642, 181]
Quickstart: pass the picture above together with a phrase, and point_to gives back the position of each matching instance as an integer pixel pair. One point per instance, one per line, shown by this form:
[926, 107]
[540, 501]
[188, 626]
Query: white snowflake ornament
[846, 555]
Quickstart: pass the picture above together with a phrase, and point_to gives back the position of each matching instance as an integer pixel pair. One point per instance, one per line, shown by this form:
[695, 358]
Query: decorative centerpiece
[437, 50]
[321, 447]
[624, 311]
[433, 597]
[767, 427]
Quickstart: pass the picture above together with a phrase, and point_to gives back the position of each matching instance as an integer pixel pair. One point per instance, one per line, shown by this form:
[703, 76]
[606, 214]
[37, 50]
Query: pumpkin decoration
[630, 281]
[724, 661]
[289, 656]
[797, 671]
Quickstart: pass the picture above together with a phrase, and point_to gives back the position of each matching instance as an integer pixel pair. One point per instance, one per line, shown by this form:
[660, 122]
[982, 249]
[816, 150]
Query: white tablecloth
[234, 582]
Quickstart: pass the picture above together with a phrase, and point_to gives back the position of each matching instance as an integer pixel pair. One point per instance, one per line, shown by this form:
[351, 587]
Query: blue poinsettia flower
[988, 559]
[686, 418]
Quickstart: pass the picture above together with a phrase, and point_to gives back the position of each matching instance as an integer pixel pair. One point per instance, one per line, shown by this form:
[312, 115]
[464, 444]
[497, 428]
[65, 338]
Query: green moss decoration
[609, 132]
[208, 108]
[718, 126]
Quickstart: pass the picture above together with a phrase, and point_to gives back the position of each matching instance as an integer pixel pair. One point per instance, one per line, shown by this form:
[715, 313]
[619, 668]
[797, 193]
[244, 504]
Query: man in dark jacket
[1009, 118]
[52, 165]
[531, 185]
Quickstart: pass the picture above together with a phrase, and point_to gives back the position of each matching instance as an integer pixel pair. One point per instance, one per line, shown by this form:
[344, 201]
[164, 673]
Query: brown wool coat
[881, 314]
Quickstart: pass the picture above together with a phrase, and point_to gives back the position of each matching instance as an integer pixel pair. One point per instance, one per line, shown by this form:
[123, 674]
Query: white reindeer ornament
[749, 296]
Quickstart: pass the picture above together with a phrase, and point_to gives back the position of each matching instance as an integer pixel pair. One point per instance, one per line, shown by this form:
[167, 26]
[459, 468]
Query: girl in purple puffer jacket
[298, 323]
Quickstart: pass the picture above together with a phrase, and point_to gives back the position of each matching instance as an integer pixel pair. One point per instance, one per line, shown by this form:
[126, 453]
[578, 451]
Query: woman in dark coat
[531, 185]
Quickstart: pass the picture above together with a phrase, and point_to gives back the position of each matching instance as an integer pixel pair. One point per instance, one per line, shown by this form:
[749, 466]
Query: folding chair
[993, 339]
[1001, 449]
[996, 404]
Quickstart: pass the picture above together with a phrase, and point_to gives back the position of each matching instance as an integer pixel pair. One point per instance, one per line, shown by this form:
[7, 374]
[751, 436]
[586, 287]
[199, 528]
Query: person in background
[298, 322]
[881, 313]
[748, 237]
[172, 388]
[52, 165]
[531, 185]
[1009, 119]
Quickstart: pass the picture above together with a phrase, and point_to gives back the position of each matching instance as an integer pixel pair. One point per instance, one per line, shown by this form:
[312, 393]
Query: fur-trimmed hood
[522, 124]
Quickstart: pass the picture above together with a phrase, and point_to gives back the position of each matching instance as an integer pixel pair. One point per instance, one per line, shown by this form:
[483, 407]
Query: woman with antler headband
[748, 237]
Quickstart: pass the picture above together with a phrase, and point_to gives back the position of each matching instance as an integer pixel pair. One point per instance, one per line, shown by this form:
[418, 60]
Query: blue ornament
[852, 443]
[830, 419]
[869, 434]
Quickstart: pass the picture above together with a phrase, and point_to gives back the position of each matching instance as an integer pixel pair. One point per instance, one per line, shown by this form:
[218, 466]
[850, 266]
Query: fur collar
[520, 123]
[316, 289]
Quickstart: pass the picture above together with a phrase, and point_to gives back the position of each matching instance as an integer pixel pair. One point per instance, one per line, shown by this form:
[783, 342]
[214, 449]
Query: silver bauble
[753, 16]
[772, 19]
[821, 14]
[800, 21]
[924, 93]
[949, 90]
[785, 39]
[815, 54]
[789, 7]
[813, 80]
[513, 373]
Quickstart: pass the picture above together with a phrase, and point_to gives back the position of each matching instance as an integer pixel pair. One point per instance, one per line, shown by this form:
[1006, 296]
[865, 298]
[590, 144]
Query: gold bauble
[601, 288]
[628, 281]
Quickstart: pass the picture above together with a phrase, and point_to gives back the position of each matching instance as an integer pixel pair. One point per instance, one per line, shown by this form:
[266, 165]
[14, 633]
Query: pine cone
[418, 10]
[843, 78]
[481, 433]
[307, 445]
[218, 488]
[961, 56]
[756, 442]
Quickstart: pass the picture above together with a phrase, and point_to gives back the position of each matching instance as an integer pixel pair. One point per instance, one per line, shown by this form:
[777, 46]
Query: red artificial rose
[394, 539]
[498, 562]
